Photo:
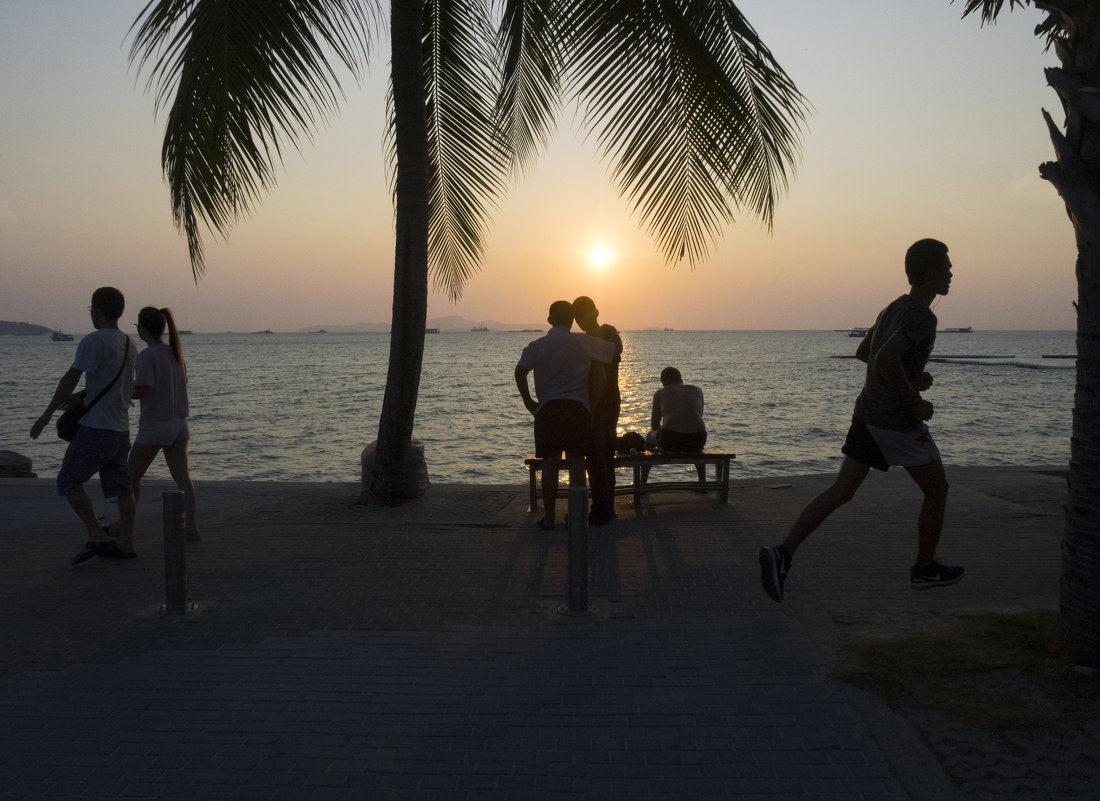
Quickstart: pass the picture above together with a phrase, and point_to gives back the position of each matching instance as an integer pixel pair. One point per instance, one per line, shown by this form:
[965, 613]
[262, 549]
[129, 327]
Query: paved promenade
[347, 652]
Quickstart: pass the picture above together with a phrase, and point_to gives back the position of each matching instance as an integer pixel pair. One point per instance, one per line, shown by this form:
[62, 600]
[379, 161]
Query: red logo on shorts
[923, 437]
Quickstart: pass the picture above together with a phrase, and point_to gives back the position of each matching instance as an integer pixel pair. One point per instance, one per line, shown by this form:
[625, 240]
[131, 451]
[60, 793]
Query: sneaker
[775, 563]
[934, 575]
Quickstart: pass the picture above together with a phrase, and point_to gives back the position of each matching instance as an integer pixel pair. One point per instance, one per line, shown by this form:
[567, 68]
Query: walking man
[565, 380]
[888, 424]
[106, 358]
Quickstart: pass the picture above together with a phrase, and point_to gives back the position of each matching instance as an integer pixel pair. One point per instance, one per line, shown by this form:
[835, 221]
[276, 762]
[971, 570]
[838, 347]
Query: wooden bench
[640, 464]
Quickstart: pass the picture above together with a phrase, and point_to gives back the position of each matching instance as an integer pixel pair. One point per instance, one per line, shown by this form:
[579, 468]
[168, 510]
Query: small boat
[184, 332]
[858, 332]
[431, 330]
[57, 336]
[480, 328]
[967, 330]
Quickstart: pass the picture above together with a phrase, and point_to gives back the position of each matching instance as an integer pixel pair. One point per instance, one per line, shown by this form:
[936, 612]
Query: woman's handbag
[69, 421]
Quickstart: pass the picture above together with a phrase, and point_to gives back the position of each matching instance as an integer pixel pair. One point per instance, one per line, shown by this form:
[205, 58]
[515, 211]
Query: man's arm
[524, 389]
[61, 397]
[888, 361]
[863, 352]
[655, 418]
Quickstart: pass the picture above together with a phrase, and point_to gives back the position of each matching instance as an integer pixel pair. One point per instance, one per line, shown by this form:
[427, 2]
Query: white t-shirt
[99, 356]
[560, 361]
[158, 369]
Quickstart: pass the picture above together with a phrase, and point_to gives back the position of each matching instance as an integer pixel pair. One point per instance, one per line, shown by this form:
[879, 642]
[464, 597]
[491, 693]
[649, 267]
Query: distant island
[22, 329]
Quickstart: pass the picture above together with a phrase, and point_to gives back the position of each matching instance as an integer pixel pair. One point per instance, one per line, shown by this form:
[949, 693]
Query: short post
[175, 567]
[577, 568]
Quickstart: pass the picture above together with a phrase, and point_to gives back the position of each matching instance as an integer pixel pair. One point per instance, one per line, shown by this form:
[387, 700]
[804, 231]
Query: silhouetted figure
[562, 362]
[106, 359]
[605, 415]
[161, 387]
[677, 420]
[888, 424]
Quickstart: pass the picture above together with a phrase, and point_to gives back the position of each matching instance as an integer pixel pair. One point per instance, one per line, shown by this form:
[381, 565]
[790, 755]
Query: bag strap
[107, 388]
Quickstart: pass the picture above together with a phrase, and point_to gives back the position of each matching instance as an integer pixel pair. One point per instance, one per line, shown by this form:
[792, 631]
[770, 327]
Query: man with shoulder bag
[101, 442]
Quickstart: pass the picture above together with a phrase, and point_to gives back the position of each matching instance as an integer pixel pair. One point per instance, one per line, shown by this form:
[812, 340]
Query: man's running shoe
[934, 575]
[774, 565]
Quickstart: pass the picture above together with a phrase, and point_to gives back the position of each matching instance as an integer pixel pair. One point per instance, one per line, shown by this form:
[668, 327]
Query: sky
[923, 125]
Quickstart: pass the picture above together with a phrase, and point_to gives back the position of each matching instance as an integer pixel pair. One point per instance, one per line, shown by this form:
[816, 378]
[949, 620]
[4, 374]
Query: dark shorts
[675, 441]
[561, 425]
[96, 450]
[861, 446]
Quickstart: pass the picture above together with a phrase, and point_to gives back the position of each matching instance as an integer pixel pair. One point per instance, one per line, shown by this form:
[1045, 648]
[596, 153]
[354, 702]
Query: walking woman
[161, 386]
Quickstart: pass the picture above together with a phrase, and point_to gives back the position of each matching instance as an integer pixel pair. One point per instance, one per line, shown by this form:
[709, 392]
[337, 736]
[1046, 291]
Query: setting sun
[600, 257]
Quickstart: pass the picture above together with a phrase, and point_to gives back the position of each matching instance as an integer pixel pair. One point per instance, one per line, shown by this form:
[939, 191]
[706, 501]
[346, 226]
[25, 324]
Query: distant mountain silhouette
[23, 329]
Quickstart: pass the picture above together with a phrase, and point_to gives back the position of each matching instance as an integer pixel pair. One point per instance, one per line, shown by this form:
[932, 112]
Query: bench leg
[723, 470]
[534, 488]
[639, 483]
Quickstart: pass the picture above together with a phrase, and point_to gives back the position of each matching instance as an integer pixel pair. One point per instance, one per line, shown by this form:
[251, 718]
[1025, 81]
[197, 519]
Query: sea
[302, 406]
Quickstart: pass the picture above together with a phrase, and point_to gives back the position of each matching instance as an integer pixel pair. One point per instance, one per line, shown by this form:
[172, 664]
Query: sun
[599, 257]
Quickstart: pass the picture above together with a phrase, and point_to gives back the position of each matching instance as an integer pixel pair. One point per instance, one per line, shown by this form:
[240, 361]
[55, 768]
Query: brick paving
[346, 652]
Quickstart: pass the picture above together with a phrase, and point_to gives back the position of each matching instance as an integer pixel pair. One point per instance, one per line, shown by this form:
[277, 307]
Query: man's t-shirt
[99, 356]
[561, 360]
[680, 407]
[878, 404]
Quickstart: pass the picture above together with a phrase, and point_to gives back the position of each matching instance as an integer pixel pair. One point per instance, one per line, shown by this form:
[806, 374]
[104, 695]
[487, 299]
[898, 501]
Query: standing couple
[577, 411]
[114, 373]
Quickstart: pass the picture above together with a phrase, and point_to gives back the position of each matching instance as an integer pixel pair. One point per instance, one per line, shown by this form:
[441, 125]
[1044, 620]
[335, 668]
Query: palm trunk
[410, 274]
[1080, 586]
[1076, 176]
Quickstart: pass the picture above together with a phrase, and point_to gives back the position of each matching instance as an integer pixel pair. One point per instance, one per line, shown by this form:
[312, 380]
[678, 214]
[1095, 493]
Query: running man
[888, 424]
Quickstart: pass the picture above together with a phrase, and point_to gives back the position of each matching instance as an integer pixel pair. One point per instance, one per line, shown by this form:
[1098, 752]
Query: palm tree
[1072, 28]
[694, 112]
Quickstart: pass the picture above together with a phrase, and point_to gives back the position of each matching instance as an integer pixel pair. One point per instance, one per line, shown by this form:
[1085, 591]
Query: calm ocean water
[301, 407]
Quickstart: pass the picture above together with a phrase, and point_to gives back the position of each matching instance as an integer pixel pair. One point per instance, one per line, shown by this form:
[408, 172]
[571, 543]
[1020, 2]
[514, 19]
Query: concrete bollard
[175, 564]
[577, 568]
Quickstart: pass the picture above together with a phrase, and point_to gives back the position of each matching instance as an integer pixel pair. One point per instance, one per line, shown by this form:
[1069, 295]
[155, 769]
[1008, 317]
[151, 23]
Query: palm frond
[466, 161]
[530, 94]
[1055, 28]
[242, 78]
[693, 110]
[989, 9]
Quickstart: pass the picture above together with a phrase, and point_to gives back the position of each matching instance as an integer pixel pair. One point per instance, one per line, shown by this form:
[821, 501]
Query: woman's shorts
[882, 448]
[561, 425]
[162, 433]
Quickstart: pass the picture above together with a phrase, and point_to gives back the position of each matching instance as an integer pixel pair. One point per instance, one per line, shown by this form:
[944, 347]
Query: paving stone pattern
[346, 652]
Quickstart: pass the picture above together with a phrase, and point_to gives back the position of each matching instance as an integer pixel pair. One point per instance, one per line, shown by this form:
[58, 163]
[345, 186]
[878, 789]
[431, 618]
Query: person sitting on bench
[677, 421]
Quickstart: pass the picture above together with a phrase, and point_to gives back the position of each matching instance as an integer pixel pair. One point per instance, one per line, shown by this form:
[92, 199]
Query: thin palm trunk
[1076, 176]
[1080, 585]
[410, 272]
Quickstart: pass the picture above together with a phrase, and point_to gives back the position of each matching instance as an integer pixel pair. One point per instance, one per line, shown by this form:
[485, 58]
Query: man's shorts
[675, 441]
[96, 450]
[882, 448]
[561, 425]
[163, 432]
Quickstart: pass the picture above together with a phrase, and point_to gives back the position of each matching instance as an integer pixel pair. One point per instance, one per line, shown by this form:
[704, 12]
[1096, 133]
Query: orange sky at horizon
[923, 125]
